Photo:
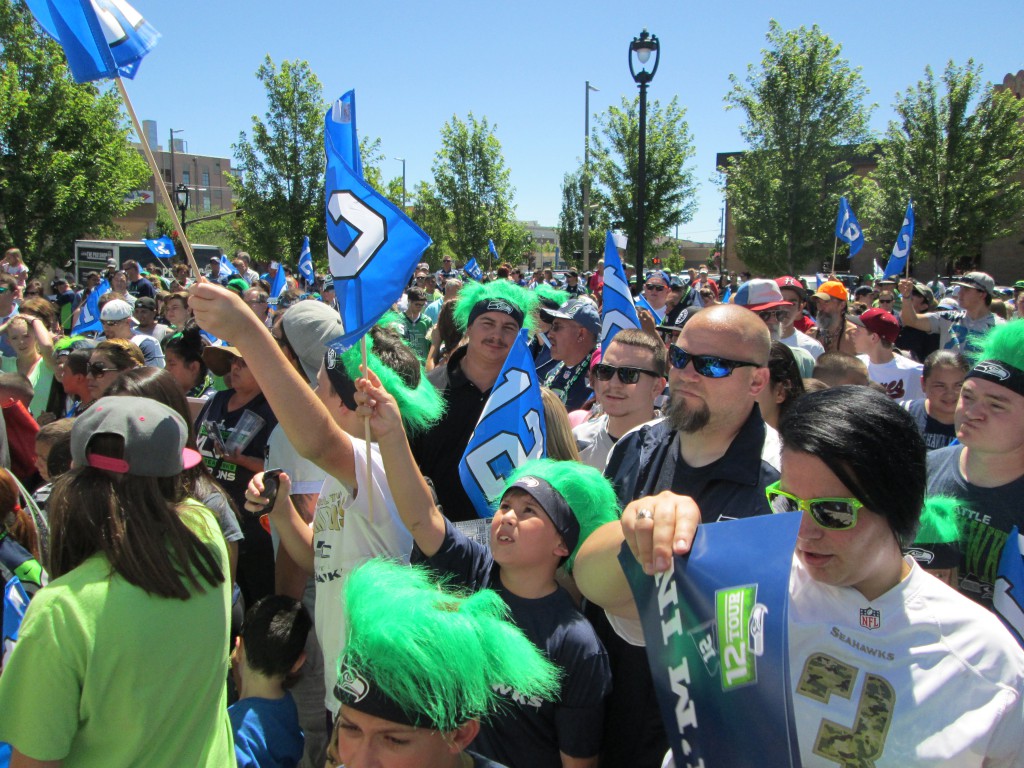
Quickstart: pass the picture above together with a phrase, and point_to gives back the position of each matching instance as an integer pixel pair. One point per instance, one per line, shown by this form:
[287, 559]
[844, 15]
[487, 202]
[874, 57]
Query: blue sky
[523, 65]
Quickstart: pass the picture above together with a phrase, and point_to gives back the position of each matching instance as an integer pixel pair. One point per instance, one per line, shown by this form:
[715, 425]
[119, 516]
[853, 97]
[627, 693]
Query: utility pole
[586, 176]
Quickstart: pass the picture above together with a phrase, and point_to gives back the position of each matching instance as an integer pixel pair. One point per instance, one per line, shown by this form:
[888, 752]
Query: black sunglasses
[627, 374]
[653, 287]
[709, 366]
[97, 369]
[772, 314]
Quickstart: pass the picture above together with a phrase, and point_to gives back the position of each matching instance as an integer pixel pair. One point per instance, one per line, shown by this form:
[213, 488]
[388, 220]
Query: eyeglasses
[97, 370]
[109, 323]
[833, 514]
[627, 374]
[709, 366]
[887, 301]
[773, 314]
[653, 287]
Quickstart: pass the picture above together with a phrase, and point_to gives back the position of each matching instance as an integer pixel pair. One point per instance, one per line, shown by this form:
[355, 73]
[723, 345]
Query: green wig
[1004, 343]
[937, 544]
[471, 295]
[549, 293]
[588, 494]
[432, 656]
[420, 407]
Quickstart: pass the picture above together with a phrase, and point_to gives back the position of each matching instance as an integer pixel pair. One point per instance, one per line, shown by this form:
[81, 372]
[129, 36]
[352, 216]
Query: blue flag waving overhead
[277, 285]
[306, 263]
[473, 270]
[493, 250]
[226, 266]
[162, 248]
[1008, 600]
[101, 38]
[511, 429]
[372, 246]
[848, 229]
[89, 317]
[617, 309]
[901, 249]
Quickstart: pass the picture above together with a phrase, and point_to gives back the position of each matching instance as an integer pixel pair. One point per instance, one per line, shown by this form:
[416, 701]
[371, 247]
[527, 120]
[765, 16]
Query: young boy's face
[522, 534]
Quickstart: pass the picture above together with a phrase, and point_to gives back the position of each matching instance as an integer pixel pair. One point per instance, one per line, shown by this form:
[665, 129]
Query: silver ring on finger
[644, 514]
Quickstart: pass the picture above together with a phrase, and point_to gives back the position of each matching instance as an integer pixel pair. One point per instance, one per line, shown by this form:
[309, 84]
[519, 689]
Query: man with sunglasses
[764, 298]
[655, 293]
[627, 382]
[575, 328]
[792, 329]
[119, 323]
[833, 331]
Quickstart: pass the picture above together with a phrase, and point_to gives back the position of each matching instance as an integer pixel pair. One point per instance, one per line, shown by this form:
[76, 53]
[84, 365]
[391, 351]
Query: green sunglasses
[833, 514]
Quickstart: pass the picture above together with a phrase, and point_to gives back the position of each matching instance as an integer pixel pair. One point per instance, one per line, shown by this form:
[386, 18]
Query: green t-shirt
[104, 674]
[41, 379]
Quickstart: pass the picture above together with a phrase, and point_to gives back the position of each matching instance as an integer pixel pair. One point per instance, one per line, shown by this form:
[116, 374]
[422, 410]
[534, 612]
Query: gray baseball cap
[308, 326]
[580, 311]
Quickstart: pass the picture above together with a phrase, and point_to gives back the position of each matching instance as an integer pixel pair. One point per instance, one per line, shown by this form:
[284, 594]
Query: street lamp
[586, 177]
[403, 182]
[643, 47]
[181, 196]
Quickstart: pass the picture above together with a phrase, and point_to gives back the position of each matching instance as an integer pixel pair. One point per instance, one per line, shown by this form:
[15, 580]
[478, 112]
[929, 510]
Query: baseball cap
[145, 302]
[218, 359]
[791, 282]
[924, 292]
[154, 437]
[1019, 285]
[308, 326]
[832, 289]
[979, 281]
[675, 320]
[760, 294]
[579, 311]
[880, 321]
[863, 290]
[73, 345]
[238, 285]
[116, 309]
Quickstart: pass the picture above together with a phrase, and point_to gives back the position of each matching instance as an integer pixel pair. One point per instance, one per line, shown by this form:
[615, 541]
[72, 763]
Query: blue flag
[372, 246]
[493, 250]
[277, 286]
[717, 636]
[101, 38]
[89, 317]
[617, 309]
[511, 429]
[306, 263]
[473, 270]
[848, 229]
[226, 266]
[901, 249]
[643, 303]
[162, 248]
[1008, 596]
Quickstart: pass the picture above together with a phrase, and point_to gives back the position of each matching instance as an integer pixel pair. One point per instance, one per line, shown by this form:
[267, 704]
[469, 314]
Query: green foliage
[671, 187]
[471, 184]
[961, 166]
[805, 116]
[372, 156]
[281, 185]
[66, 164]
[430, 215]
[570, 220]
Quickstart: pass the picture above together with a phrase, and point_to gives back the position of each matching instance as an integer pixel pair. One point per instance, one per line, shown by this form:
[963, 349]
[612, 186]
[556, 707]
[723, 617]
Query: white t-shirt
[598, 444]
[345, 535]
[800, 340]
[901, 377]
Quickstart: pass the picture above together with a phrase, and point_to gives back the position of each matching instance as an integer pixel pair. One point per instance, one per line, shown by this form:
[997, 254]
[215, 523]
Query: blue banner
[162, 248]
[101, 38]
[473, 270]
[1008, 596]
[277, 285]
[901, 249]
[511, 429]
[617, 309]
[372, 246]
[493, 250]
[226, 266]
[717, 644]
[847, 228]
[89, 317]
[643, 303]
[306, 263]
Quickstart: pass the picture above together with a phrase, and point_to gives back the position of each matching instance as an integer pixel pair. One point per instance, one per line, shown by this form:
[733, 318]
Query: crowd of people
[240, 545]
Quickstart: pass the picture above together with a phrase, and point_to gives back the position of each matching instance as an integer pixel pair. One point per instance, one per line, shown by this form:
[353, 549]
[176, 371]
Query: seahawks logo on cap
[352, 686]
[529, 481]
[993, 369]
[499, 305]
[923, 556]
[332, 358]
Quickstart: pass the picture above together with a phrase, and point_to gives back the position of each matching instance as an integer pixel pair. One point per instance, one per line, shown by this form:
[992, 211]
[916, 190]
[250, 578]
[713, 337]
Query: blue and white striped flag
[306, 263]
[1008, 597]
[848, 228]
[277, 286]
[89, 317]
[511, 429]
[617, 309]
[226, 266]
[162, 248]
[473, 270]
[901, 248]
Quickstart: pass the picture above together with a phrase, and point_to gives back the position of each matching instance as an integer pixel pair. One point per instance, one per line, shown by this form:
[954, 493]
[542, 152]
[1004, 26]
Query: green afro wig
[421, 406]
[549, 293]
[1004, 343]
[937, 544]
[470, 295]
[588, 493]
[438, 655]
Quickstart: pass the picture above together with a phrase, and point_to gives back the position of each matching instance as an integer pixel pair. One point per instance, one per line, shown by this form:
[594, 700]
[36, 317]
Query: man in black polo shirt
[714, 447]
[492, 315]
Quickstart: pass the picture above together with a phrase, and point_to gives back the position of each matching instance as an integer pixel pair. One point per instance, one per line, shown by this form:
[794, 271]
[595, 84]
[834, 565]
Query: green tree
[66, 164]
[430, 215]
[962, 166]
[570, 220]
[281, 185]
[472, 184]
[671, 187]
[805, 117]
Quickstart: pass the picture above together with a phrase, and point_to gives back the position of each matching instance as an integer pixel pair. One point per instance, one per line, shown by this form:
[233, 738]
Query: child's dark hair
[274, 634]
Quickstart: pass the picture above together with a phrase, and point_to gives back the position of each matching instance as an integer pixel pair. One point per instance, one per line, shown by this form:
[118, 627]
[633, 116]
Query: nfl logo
[870, 618]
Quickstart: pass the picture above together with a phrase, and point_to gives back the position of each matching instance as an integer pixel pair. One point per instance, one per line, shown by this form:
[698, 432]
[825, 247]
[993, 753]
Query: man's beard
[775, 331]
[688, 419]
[828, 322]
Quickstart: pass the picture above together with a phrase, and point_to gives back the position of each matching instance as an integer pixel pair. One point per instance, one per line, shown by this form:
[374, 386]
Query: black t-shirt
[530, 733]
[918, 343]
[935, 433]
[987, 515]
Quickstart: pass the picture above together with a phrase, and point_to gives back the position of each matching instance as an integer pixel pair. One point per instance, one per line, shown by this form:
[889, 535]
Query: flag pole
[369, 440]
[158, 178]
[835, 247]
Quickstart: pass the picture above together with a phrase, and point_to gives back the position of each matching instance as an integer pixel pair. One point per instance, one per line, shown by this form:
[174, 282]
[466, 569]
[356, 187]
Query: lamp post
[586, 176]
[174, 177]
[181, 196]
[402, 159]
[643, 47]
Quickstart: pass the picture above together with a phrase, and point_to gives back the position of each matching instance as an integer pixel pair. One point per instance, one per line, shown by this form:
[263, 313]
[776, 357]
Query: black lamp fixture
[641, 50]
[181, 196]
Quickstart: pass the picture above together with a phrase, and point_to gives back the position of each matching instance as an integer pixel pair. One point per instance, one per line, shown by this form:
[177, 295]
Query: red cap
[880, 321]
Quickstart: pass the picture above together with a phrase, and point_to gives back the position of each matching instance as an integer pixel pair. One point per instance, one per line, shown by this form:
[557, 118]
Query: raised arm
[908, 315]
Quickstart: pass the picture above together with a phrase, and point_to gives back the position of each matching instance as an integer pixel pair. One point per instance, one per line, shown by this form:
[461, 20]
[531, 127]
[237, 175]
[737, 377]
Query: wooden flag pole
[369, 441]
[158, 178]
[835, 247]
